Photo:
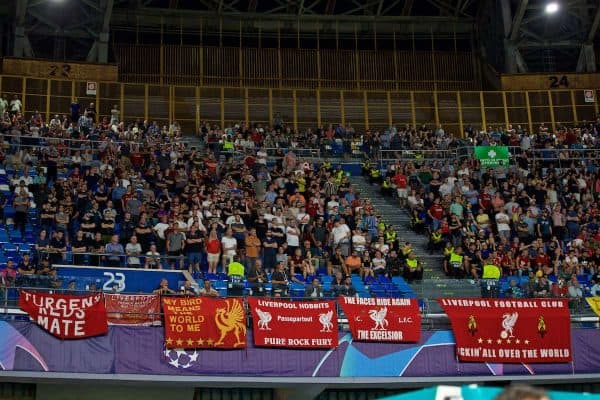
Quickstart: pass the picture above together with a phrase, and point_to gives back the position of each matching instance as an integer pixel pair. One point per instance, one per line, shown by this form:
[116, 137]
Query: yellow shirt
[235, 268]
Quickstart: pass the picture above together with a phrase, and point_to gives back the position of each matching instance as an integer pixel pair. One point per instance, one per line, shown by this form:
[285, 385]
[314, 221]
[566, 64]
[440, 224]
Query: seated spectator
[542, 288]
[560, 289]
[576, 294]
[413, 270]
[187, 289]
[163, 288]
[208, 290]
[257, 278]
[336, 262]
[315, 290]
[279, 280]
[352, 264]
[514, 291]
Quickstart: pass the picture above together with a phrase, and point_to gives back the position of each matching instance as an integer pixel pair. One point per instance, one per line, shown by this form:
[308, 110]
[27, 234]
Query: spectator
[21, 206]
[208, 290]
[175, 246]
[133, 250]
[152, 258]
[347, 289]
[79, 246]
[542, 288]
[187, 289]
[8, 275]
[576, 294]
[194, 248]
[315, 290]
[514, 291]
[163, 288]
[114, 251]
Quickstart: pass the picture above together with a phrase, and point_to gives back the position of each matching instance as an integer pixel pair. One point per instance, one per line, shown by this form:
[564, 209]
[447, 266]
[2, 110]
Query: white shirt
[340, 232]
[229, 242]
[292, 237]
[15, 105]
[359, 242]
[160, 229]
[231, 220]
[502, 226]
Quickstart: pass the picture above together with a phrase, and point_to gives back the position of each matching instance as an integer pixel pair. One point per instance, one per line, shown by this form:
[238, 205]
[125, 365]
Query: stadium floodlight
[552, 7]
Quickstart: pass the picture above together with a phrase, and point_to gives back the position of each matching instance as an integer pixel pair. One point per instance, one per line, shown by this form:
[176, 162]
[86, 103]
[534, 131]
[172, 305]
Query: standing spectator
[21, 206]
[175, 246]
[253, 246]
[78, 246]
[229, 247]
[15, 105]
[194, 248]
[3, 106]
[133, 250]
[58, 247]
[213, 250]
[114, 251]
[152, 258]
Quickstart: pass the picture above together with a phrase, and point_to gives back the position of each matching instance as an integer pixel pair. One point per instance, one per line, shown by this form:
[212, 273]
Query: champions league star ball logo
[180, 358]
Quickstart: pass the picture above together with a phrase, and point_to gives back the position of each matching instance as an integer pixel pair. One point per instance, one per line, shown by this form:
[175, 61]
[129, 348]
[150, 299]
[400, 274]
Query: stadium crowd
[96, 190]
[532, 224]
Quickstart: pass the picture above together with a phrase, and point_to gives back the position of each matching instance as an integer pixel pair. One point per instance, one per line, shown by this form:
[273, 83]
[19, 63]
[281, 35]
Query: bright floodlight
[552, 7]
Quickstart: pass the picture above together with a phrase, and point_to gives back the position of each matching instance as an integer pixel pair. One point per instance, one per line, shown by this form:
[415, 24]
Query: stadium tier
[290, 200]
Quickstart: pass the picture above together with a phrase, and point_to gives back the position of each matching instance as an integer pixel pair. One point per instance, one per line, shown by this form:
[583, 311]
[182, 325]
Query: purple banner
[140, 350]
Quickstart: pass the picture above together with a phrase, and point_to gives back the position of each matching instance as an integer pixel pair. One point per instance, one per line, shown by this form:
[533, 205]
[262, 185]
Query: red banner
[204, 323]
[297, 324]
[509, 330]
[382, 319]
[66, 316]
[133, 309]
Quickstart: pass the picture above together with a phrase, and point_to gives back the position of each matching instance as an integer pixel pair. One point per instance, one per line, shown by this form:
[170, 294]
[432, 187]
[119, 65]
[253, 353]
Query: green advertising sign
[492, 156]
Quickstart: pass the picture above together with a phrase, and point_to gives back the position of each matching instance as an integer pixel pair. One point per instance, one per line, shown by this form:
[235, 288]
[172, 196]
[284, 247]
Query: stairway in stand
[434, 284]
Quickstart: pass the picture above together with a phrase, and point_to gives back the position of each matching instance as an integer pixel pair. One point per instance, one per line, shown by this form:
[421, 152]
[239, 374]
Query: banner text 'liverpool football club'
[510, 330]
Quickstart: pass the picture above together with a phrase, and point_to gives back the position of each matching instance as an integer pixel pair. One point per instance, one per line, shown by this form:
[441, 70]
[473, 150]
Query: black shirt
[194, 247]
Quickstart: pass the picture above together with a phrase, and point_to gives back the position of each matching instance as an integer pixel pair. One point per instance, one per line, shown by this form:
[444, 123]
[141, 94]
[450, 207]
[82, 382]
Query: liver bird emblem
[264, 319]
[542, 330]
[472, 325]
[325, 320]
[379, 317]
[231, 319]
[508, 323]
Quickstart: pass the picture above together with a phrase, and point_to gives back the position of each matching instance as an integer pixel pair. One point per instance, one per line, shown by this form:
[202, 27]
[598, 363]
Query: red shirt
[213, 246]
[437, 211]
[400, 181]
[542, 259]
[486, 200]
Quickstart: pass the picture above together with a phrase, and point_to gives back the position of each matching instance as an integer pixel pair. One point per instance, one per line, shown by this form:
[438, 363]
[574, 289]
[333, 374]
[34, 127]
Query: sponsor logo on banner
[202, 322]
[383, 319]
[510, 331]
[133, 309]
[295, 324]
[66, 316]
